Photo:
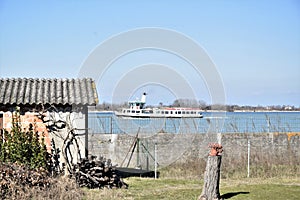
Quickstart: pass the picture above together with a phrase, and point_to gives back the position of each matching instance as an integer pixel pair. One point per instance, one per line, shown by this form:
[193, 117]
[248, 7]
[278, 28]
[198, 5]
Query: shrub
[26, 147]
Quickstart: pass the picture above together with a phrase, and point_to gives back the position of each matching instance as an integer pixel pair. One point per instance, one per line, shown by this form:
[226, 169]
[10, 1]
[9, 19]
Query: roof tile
[48, 91]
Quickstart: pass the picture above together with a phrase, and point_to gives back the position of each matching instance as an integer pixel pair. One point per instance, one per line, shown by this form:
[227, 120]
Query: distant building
[288, 108]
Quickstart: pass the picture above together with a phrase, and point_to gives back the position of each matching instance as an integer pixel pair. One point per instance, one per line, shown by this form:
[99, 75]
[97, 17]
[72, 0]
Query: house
[57, 100]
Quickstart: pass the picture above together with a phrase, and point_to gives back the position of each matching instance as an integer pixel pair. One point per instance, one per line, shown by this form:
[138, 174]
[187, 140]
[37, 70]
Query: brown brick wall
[27, 119]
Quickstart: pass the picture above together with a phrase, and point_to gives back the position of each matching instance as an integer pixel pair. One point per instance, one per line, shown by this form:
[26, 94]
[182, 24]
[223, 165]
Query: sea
[220, 122]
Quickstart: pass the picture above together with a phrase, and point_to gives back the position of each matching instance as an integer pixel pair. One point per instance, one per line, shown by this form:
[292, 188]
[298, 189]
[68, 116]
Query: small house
[55, 107]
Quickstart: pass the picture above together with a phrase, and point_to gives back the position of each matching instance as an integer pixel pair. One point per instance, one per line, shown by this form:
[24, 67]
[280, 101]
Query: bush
[17, 181]
[26, 147]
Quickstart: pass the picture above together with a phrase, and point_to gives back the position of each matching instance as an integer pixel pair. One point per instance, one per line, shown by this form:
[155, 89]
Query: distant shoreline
[235, 111]
[265, 111]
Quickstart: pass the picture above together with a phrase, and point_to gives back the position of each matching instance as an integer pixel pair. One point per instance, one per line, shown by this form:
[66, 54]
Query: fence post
[138, 153]
[248, 163]
[86, 127]
[111, 125]
[147, 155]
[155, 161]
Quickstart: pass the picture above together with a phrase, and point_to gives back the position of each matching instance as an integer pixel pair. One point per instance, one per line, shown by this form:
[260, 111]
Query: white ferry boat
[137, 110]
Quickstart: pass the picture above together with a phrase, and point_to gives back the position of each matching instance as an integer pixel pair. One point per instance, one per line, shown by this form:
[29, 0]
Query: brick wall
[26, 119]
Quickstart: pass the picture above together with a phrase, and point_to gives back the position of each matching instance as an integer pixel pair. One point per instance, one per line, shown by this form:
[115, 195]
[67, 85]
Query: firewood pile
[92, 173]
[14, 177]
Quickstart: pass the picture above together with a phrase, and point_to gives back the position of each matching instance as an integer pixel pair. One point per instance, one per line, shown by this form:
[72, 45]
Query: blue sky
[255, 45]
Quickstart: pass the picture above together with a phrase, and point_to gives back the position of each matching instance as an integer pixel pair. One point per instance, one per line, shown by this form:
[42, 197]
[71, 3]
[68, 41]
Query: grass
[184, 181]
[257, 188]
[177, 188]
[165, 188]
[146, 188]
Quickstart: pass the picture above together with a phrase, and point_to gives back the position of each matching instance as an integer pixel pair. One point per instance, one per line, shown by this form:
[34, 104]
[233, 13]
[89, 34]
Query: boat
[137, 109]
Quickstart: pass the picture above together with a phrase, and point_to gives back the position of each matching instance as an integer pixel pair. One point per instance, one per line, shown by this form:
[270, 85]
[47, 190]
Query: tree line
[201, 104]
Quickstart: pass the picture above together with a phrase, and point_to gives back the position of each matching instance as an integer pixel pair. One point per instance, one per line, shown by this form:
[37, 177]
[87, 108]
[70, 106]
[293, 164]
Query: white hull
[160, 113]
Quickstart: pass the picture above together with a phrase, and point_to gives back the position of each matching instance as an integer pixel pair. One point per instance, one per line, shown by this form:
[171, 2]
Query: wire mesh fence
[252, 155]
[256, 144]
[227, 123]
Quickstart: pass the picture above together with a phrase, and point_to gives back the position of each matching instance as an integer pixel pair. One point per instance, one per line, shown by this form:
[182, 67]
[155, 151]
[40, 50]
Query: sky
[254, 46]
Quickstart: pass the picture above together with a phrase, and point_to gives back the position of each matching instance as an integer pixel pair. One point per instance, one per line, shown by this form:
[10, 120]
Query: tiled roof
[24, 91]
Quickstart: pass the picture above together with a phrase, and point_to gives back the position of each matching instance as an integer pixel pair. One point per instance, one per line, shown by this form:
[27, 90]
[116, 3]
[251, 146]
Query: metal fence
[251, 155]
[226, 123]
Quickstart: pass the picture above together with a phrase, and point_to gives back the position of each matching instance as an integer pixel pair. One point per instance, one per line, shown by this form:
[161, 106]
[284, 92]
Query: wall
[75, 121]
[26, 119]
[273, 148]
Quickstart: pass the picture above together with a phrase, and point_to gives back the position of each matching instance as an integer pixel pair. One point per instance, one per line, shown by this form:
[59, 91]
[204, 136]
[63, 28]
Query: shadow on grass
[232, 194]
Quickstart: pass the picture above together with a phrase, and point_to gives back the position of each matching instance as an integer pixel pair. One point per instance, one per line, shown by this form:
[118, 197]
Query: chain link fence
[229, 123]
[255, 145]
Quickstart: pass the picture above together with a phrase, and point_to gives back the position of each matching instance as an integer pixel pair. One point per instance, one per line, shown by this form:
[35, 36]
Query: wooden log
[97, 174]
[89, 177]
[210, 189]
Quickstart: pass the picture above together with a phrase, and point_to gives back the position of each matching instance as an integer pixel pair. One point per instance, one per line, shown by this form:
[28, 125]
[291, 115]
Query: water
[257, 122]
[222, 122]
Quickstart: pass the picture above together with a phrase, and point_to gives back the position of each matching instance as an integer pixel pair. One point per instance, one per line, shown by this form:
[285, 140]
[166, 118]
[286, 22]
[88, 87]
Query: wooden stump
[210, 189]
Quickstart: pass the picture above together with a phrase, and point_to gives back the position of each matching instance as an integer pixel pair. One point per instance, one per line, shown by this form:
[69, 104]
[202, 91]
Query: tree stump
[210, 189]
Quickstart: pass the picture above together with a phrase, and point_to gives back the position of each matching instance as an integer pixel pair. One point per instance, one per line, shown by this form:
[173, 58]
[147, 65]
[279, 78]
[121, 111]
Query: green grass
[261, 189]
[150, 189]
[144, 188]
